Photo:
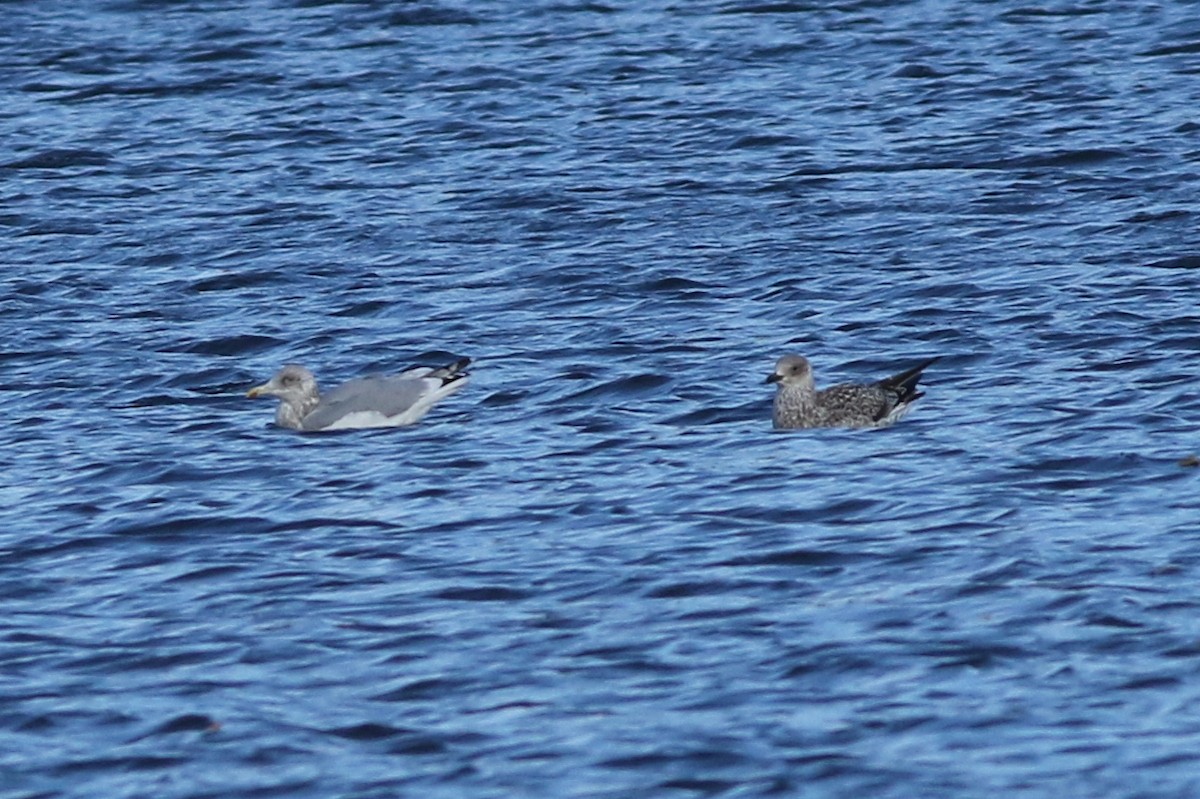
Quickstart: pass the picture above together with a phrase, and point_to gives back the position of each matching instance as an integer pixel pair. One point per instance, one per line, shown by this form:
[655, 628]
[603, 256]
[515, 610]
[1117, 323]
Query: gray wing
[854, 405]
[390, 396]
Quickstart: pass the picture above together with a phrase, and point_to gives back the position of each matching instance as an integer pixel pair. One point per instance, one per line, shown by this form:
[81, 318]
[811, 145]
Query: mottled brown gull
[390, 401]
[799, 404]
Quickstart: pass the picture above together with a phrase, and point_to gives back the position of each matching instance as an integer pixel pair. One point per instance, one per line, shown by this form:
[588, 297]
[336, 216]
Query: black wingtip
[904, 384]
[454, 371]
[925, 364]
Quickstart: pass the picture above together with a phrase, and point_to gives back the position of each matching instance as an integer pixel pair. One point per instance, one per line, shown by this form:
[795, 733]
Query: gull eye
[289, 380]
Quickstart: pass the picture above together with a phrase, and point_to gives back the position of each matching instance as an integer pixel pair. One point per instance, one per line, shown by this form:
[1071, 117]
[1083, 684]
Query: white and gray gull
[799, 404]
[390, 401]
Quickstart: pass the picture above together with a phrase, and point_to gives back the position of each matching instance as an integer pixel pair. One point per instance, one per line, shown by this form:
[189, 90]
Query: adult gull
[390, 401]
[799, 404]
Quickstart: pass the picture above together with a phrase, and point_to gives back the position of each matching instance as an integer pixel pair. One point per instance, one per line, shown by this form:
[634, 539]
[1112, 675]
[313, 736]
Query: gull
[390, 401]
[798, 403]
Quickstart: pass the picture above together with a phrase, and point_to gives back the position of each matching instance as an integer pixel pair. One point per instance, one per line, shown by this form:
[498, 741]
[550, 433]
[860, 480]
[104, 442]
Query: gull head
[792, 370]
[292, 384]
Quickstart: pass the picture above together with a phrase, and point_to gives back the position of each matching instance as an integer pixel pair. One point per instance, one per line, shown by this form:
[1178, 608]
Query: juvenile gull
[389, 401]
[798, 403]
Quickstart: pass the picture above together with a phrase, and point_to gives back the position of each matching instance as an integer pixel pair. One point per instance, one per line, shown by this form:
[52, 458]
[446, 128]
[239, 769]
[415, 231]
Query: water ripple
[597, 571]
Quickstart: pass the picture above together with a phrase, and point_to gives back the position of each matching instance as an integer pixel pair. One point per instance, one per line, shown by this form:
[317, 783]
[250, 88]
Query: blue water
[597, 571]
